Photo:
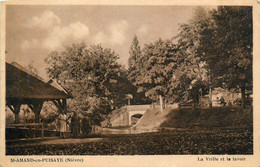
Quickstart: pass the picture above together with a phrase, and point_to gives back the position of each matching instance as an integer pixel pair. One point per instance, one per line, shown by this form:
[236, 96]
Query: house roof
[21, 84]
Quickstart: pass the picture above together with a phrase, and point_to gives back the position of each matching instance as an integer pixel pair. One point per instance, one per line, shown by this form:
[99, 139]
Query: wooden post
[129, 119]
[36, 107]
[30, 130]
[61, 105]
[16, 118]
[15, 108]
[42, 134]
[64, 105]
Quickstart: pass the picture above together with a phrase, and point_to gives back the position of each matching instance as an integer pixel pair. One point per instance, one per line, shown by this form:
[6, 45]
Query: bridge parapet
[138, 107]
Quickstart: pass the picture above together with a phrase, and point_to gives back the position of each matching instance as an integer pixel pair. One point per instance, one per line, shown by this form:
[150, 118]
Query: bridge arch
[135, 118]
[134, 115]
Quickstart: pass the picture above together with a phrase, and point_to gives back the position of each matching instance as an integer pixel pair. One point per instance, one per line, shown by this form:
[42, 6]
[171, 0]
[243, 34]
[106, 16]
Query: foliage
[135, 55]
[191, 76]
[26, 114]
[9, 116]
[49, 115]
[31, 68]
[98, 107]
[216, 50]
[155, 69]
[247, 101]
[174, 71]
[226, 46]
[89, 72]
[135, 69]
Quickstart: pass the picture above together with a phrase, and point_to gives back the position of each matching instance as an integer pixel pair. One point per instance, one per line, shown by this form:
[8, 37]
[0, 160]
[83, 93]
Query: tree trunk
[243, 96]
[210, 96]
[195, 101]
[161, 103]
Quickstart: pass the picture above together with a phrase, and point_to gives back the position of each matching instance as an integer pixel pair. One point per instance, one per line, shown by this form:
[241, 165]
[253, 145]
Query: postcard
[130, 83]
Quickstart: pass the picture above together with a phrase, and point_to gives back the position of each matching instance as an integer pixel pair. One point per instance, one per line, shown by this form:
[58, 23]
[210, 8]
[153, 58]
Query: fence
[31, 127]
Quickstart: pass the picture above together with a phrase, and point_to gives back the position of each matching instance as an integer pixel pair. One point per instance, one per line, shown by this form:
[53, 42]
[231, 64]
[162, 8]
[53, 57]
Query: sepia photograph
[110, 80]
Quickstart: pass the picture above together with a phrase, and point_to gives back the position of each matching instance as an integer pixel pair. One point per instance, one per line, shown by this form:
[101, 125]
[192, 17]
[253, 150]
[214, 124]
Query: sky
[32, 31]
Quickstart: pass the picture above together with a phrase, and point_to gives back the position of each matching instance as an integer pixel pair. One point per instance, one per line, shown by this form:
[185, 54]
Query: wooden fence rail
[30, 125]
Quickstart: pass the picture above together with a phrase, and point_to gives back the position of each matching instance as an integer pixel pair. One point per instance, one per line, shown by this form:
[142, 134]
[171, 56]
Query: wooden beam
[16, 110]
[11, 108]
[30, 106]
[60, 103]
[57, 105]
[36, 107]
[64, 104]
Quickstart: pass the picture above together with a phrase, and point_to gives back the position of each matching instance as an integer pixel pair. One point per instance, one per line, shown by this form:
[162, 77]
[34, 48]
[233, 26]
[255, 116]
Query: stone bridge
[134, 116]
[131, 114]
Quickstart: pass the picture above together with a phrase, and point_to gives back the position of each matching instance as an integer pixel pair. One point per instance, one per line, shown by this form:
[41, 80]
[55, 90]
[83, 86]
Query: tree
[191, 76]
[31, 68]
[92, 74]
[227, 46]
[216, 50]
[135, 65]
[158, 62]
[135, 55]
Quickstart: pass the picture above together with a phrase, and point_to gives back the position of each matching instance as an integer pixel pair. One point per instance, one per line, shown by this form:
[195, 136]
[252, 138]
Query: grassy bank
[219, 117]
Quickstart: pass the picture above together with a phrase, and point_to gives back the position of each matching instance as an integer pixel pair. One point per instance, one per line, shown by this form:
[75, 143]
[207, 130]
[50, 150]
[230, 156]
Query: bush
[248, 101]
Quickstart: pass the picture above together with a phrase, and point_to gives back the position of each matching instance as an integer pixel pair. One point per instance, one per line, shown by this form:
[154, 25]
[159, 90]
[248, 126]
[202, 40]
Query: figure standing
[74, 125]
[62, 123]
[222, 101]
[85, 127]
